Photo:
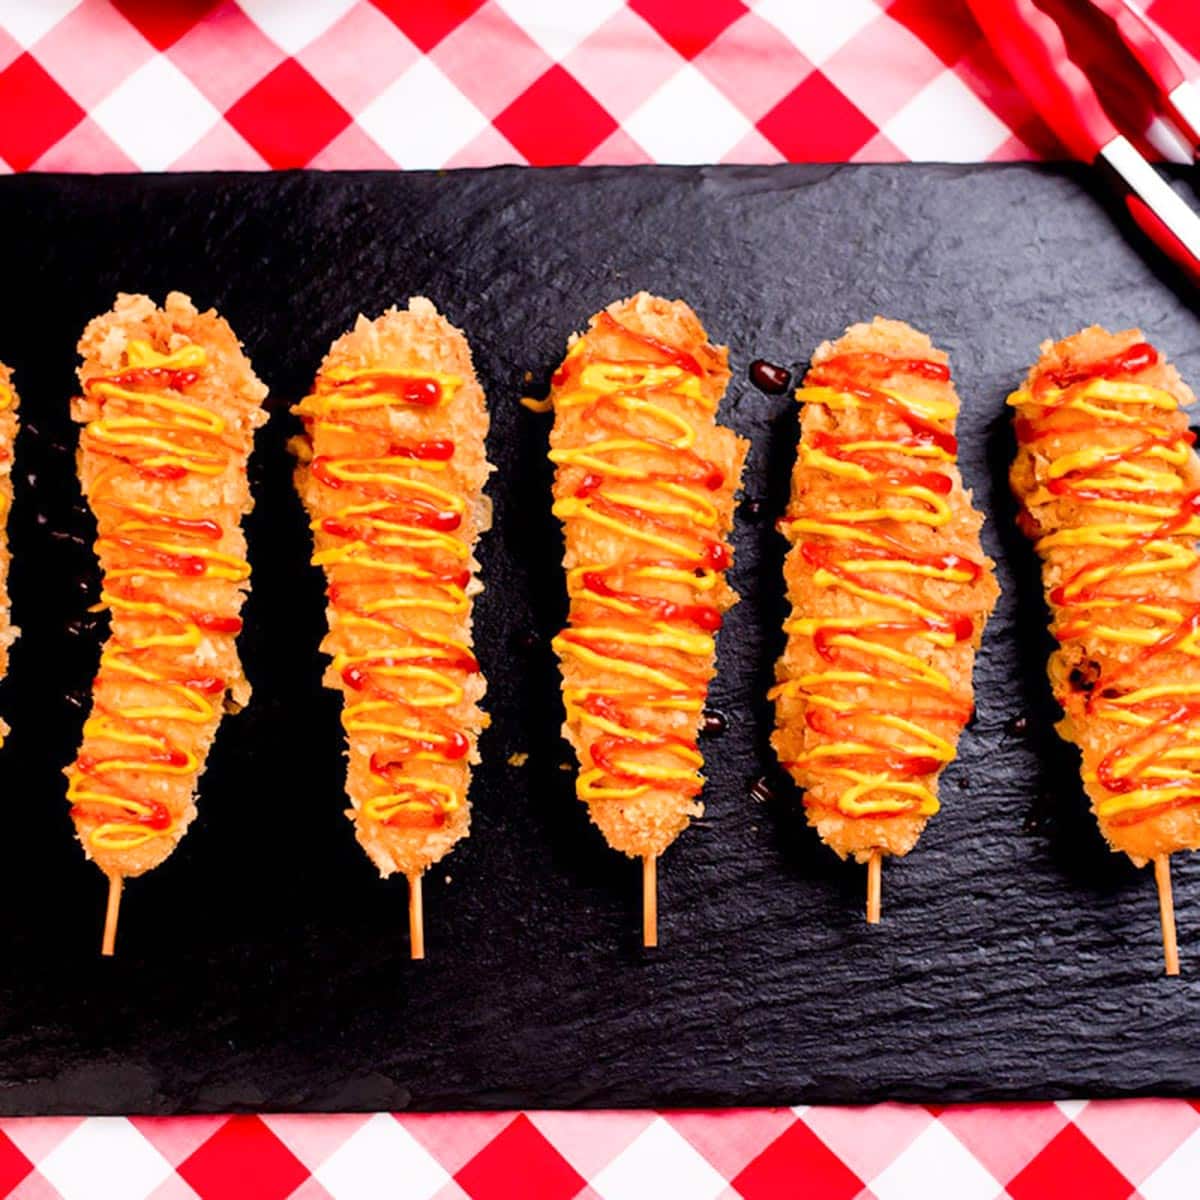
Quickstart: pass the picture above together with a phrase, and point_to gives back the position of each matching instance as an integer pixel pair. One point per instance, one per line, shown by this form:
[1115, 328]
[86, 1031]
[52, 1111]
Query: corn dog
[890, 591]
[644, 486]
[391, 469]
[9, 425]
[1110, 492]
[169, 405]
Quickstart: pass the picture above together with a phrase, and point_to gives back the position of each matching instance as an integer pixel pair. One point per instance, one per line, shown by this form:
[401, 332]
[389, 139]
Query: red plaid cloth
[87, 85]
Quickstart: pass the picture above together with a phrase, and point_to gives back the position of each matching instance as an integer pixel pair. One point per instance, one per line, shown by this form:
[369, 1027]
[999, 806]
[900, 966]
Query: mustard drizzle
[152, 424]
[7, 399]
[897, 674]
[393, 556]
[1139, 526]
[669, 552]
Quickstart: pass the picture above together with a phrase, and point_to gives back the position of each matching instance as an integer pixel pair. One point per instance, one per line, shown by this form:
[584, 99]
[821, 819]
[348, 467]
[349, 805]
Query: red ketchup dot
[717, 556]
[208, 685]
[456, 745]
[962, 627]
[215, 624]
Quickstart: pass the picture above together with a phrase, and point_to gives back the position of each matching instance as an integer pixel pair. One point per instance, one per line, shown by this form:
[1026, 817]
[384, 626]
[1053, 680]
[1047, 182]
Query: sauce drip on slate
[769, 378]
[1133, 516]
[398, 554]
[148, 425]
[876, 692]
[653, 490]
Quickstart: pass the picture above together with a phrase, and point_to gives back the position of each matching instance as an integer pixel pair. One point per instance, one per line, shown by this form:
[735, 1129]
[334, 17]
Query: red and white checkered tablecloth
[1099, 1151]
[89, 85]
[94, 85]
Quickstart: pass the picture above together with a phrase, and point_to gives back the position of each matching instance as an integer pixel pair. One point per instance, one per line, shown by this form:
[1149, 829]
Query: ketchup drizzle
[1137, 762]
[865, 651]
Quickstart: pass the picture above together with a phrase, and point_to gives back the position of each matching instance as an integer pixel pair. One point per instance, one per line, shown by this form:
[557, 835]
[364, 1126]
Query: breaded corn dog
[1110, 491]
[9, 424]
[890, 591]
[645, 487]
[169, 406]
[392, 469]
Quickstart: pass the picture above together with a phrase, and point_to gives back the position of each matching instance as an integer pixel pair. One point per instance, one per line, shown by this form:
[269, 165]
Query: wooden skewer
[111, 913]
[1166, 910]
[416, 918]
[874, 887]
[650, 900]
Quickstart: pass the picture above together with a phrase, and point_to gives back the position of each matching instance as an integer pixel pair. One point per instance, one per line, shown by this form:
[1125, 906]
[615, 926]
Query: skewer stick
[111, 913]
[416, 918]
[650, 900]
[1166, 910]
[874, 887]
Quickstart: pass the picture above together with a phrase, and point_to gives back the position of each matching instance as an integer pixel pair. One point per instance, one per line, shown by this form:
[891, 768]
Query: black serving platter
[265, 966]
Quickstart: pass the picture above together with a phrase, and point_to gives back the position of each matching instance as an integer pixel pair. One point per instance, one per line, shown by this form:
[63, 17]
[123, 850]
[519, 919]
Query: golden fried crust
[226, 389]
[817, 494]
[647, 822]
[417, 339]
[9, 424]
[1079, 662]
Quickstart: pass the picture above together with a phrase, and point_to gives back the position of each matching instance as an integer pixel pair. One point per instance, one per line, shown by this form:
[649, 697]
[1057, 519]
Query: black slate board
[265, 966]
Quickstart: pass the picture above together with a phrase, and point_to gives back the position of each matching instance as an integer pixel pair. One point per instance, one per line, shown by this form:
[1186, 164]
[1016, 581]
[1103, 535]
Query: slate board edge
[604, 1096]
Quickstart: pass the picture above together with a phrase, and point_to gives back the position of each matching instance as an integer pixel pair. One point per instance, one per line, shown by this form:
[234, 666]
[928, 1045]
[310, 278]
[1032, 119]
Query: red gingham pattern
[1105, 1150]
[119, 85]
[88, 85]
